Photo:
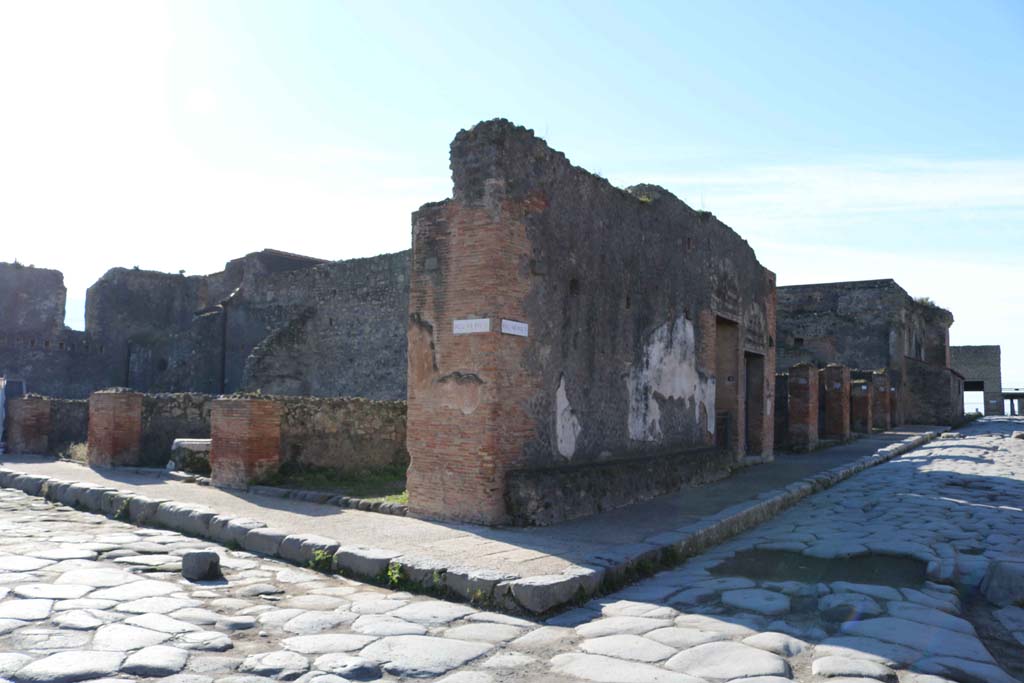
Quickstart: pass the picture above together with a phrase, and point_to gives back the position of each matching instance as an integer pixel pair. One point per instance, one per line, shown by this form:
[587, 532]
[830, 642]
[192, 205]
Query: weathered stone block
[229, 530]
[191, 455]
[302, 549]
[28, 425]
[200, 565]
[246, 440]
[265, 541]
[115, 428]
[362, 561]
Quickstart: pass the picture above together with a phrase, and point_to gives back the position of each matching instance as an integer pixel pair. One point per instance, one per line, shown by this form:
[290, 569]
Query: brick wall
[835, 396]
[881, 408]
[115, 428]
[862, 394]
[28, 425]
[246, 440]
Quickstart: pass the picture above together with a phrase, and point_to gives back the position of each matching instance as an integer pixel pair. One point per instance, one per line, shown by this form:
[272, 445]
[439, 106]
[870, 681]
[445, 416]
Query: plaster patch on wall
[668, 370]
[567, 426]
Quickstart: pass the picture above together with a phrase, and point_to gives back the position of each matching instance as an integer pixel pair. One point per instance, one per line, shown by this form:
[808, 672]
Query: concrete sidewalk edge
[534, 594]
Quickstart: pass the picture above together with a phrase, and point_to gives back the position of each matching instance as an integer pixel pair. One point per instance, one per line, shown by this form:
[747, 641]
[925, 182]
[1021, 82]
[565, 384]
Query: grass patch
[77, 452]
[387, 485]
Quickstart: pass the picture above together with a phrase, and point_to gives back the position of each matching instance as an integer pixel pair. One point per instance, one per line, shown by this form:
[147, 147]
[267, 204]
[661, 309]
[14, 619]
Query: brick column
[28, 425]
[881, 416]
[862, 395]
[835, 384]
[246, 440]
[115, 428]
[803, 407]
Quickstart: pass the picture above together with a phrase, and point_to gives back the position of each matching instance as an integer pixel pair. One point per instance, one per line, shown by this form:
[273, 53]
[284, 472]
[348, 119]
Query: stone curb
[533, 594]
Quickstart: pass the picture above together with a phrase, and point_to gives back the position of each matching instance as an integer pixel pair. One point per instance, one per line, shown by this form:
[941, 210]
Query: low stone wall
[166, 417]
[549, 495]
[69, 424]
[935, 395]
[347, 435]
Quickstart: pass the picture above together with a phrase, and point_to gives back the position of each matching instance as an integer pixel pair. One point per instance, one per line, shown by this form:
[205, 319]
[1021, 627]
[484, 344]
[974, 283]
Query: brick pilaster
[881, 416]
[246, 440]
[28, 425]
[862, 394]
[115, 428]
[835, 385]
[803, 407]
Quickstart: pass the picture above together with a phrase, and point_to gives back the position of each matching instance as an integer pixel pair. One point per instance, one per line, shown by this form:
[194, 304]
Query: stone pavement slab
[533, 568]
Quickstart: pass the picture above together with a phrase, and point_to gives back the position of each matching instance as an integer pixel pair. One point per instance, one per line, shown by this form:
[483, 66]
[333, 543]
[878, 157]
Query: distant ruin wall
[166, 417]
[334, 330]
[556, 319]
[271, 321]
[350, 436]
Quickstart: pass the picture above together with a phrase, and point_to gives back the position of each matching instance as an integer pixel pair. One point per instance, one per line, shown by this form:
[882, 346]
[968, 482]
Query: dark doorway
[727, 398]
[754, 404]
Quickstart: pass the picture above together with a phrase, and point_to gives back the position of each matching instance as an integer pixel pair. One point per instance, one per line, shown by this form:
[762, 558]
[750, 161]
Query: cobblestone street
[853, 585]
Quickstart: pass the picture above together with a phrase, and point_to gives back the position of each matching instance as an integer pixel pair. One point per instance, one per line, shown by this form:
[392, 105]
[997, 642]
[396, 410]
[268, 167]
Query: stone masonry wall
[592, 325]
[350, 436]
[69, 424]
[166, 417]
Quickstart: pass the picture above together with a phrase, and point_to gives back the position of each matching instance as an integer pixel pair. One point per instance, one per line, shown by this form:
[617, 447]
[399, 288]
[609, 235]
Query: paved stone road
[85, 598]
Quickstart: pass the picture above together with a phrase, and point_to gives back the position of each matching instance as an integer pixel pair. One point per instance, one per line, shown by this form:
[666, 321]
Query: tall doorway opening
[754, 404]
[727, 396]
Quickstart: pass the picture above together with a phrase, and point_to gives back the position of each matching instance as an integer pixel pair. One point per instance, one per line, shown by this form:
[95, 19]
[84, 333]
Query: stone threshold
[492, 589]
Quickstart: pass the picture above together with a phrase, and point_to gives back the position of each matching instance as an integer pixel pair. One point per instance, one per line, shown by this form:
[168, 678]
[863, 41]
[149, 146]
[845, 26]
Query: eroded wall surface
[590, 318]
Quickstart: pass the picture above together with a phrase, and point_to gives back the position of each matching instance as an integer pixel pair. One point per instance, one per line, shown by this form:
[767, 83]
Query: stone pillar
[862, 396]
[28, 425]
[803, 407]
[115, 428]
[245, 440]
[835, 384]
[880, 412]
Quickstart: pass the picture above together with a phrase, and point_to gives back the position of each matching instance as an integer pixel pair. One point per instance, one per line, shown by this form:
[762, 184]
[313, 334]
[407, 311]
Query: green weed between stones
[321, 561]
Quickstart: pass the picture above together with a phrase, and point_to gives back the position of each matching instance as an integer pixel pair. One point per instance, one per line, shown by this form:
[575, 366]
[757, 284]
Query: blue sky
[847, 140]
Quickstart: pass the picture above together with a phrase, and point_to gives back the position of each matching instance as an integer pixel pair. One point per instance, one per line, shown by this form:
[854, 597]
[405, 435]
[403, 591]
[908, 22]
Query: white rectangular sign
[517, 328]
[471, 326]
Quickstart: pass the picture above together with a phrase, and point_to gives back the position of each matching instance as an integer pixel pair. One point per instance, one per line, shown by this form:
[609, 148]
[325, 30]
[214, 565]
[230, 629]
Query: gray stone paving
[84, 597]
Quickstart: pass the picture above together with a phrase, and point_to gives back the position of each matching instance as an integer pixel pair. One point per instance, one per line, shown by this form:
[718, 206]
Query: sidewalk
[562, 558]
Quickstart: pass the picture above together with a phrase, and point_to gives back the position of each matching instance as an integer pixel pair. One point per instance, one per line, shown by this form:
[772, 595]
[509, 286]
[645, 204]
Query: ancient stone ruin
[573, 346]
[270, 321]
[887, 339]
[551, 347]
